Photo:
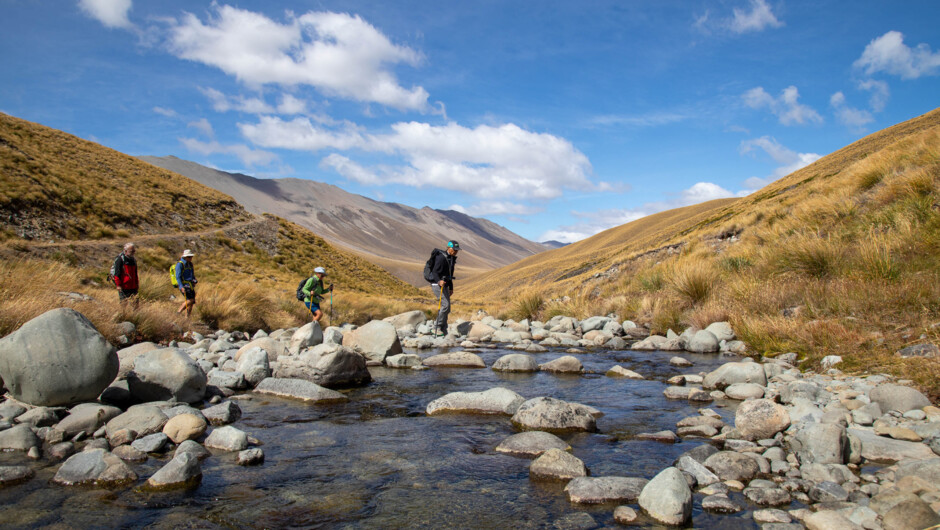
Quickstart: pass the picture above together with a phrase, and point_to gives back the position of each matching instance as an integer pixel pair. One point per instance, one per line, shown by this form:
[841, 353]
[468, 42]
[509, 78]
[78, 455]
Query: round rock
[760, 418]
[667, 498]
[493, 401]
[531, 444]
[553, 415]
[557, 464]
[516, 362]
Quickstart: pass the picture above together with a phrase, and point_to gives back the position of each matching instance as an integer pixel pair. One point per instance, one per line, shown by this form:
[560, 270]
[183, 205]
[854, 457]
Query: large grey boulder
[223, 413]
[729, 465]
[887, 450]
[403, 360]
[721, 331]
[18, 438]
[553, 415]
[375, 340]
[254, 365]
[601, 490]
[703, 477]
[328, 365]
[567, 364]
[299, 389]
[10, 475]
[457, 359]
[410, 318]
[731, 373]
[127, 356]
[899, 398]
[760, 418]
[651, 343]
[516, 362]
[703, 342]
[594, 323]
[183, 471]
[667, 498]
[820, 443]
[556, 464]
[57, 358]
[167, 374]
[480, 331]
[332, 335]
[927, 469]
[272, 347]
[493, 401]
[94, 466]
[531, 443]
[310, 334]
[227, 438]
[87, 418]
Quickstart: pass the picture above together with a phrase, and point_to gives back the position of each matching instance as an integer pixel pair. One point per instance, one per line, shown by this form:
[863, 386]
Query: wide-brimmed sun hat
[320, 270]
[188, 253]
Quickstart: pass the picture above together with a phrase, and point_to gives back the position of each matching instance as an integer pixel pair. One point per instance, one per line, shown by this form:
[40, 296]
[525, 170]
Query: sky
[554, 119]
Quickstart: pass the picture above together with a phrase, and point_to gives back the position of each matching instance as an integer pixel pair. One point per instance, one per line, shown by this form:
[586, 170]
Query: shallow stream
[379, 462]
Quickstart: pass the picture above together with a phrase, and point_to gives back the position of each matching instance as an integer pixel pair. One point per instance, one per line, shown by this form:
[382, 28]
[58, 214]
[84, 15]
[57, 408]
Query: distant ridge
[553, 244]
[396, 237]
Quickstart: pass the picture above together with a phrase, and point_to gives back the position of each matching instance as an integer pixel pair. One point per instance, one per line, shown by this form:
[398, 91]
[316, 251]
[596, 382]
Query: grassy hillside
[838, 258]
[68, 205]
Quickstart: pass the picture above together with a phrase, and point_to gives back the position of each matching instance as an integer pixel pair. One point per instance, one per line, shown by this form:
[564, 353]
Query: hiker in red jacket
[124, 275]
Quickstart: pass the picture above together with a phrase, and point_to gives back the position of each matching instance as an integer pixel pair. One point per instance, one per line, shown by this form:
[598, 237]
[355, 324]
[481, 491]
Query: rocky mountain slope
[397, 237]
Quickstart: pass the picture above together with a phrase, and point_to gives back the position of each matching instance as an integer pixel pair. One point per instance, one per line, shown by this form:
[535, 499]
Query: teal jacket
[313, 288]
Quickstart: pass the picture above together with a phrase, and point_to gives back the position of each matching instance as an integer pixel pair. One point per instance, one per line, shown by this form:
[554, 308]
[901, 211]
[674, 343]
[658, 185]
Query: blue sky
[554, 119]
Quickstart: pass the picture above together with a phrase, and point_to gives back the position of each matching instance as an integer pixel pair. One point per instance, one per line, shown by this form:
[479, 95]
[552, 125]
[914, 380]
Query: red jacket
[124, 272]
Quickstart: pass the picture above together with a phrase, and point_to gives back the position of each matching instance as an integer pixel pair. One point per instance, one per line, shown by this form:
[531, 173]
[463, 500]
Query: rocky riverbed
[500, 424]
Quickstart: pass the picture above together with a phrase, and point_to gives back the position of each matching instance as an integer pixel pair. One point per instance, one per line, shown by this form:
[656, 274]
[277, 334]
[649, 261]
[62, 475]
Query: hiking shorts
[312, 306]
[124, 294]
[190, 293]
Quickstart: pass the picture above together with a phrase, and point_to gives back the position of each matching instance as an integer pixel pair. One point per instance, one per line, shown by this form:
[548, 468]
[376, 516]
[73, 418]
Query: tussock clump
[527, 305]
[694, 283]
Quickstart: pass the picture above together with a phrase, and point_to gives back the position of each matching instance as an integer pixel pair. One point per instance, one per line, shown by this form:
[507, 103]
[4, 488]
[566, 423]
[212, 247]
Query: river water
[379, 462]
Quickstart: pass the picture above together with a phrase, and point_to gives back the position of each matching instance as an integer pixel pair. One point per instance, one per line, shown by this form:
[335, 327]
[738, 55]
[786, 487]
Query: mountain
[551, 244]
[399, 238]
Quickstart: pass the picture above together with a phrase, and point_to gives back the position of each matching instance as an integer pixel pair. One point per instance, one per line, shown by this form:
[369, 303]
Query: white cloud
[890, 55]
[288, 105]
[879, 93]
[645, 120]
[169, 113]
[788, 159]
[340, 55]
[786, 107]
[486, 161]
[111, 13]
[851, 117]
[248, 156]
[758, 18]
[482, 209]
[202, 126]
[595, 222]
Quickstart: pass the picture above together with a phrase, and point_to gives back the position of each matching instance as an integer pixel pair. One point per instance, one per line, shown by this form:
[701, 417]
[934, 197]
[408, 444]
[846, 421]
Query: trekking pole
[440, 299]
[331, 306]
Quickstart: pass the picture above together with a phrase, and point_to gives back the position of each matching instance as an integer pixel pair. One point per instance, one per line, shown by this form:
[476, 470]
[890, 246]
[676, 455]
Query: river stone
[886, 450]
[731, 373]
[375, 340]
[721, 331]
[87, 418]
[742, 391]
[600, 490]
[184, 427]
[460, 359]
[677, 392]
[760, 418]
[250, 457]
[829, 520]
[553, 415]
[594, 323]
[659, 436]
[410, 318]
[274, 349]
[563, 365]
[310, 334]
[39, 417]
[127, 356]
[667, 498]
[403, 360]
[152, 443]
[720, 503]
[10, 410]
[480, 331]
[928, 470]
[912, 513]
[19, 438]
[624, 514]
[227, 439]
[768, 496]
[620, 371]
[493, 401]
[928, 350]
[531, 444]
[223, 413]
[327, 365]
[557, 464]
[10, 475]
[142, 419]
[129, 453]
[828, 491]
[516, 362]
[821, 443]
[167, 374]
[703, 342]
[81, 468]
[299, 389]
[254, 364]
[332, 335]
[57, 358]
[182, 472]
[651, 343]
[223, 379]
[729, 465]
[899, 398]
[193, 448]
[703, 477]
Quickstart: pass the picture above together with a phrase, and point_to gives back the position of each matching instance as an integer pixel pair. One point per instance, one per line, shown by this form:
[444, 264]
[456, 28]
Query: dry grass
[527, 305]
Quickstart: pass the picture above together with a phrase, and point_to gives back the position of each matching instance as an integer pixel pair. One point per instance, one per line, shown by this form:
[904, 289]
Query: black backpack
[300, 288]
[428, 265]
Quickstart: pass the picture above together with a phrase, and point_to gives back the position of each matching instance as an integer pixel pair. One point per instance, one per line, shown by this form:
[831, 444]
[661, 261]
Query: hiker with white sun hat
[312, 289]
[186, 281]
